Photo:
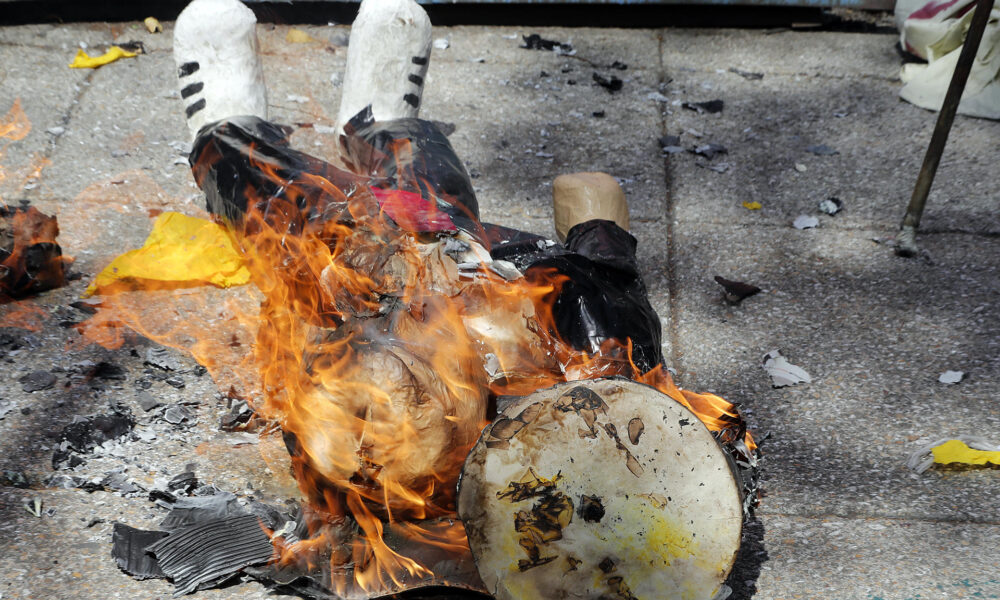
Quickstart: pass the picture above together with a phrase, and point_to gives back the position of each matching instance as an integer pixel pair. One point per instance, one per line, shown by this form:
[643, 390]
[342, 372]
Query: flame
[14, 126]
[23, 315]
[377, 356]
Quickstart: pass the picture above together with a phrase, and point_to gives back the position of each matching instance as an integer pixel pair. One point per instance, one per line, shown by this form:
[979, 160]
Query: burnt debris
[710, 107]
[612, 83]
[210, 553]
[537, 42]
[129, 551]
[30, 259]
[86, 433]
[736, 291]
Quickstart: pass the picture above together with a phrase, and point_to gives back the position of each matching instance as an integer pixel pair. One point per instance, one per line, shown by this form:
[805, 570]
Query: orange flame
[377, 356]
[14, 126]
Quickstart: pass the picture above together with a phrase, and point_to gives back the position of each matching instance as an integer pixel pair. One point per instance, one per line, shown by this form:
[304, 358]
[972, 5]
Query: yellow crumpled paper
[956, 451]
[181, 250]
[152, 25]
[84, 61]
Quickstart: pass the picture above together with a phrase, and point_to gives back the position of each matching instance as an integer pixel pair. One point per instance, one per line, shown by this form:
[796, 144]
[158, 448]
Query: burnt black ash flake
[591, 509]
[537, 42]
[540, 526]
[612, 84]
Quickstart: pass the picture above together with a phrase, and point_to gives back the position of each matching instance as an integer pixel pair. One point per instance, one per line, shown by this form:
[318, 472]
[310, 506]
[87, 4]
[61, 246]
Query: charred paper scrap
[710, 107]
[537, 42]
[30, 259]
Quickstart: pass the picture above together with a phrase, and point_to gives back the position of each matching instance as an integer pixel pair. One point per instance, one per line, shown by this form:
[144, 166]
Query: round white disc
[600, 489]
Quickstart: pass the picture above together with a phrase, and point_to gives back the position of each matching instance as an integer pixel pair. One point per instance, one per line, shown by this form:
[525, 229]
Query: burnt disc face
[600, 489]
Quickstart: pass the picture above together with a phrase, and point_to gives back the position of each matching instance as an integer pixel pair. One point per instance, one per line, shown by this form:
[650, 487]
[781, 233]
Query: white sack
[936, 32]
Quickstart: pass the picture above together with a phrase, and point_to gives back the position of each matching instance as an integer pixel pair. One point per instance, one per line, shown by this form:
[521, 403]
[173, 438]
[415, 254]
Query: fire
[14, 126]
[378, 352]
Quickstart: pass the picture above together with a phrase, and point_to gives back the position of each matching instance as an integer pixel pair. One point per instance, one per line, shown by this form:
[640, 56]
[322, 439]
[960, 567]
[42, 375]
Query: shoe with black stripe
[387, 59]
[218, 68]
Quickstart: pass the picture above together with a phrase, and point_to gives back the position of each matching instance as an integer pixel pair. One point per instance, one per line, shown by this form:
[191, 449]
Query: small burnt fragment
[530, 486]
[736, 291]
[591, 509]
[585, 402]
[620, 589]
[607, 565]
[572, 563]
[539, 526]
[635, 429]
[505, 429]
[37, 381]
[630, 461]
[580, 398]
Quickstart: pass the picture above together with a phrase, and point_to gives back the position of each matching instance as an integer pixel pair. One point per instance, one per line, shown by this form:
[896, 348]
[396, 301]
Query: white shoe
[387, 58]
[220, 75]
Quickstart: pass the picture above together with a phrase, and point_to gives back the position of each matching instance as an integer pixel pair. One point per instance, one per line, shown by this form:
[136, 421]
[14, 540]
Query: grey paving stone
[129, 118]
[62, 41]
[869, 559]
[593, 47]
[874, 331]
[825, 54]
[531, 118]
[767, 127]
[47, 89]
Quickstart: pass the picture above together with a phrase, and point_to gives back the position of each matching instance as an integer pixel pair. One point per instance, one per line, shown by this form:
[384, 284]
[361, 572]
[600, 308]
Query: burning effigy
[448, 389]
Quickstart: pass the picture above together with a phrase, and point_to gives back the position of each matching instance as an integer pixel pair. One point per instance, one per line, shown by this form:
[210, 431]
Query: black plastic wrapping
[247, 160]
[604, 296]
[413, 155]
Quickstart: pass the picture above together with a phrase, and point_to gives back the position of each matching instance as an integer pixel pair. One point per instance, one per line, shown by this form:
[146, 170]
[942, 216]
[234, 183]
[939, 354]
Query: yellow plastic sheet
[83, 61]
[956, 451]
[180, 251]
[752, 205]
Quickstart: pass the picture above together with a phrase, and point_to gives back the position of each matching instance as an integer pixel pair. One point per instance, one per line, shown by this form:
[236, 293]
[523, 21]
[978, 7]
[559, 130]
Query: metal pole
[906, 239]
